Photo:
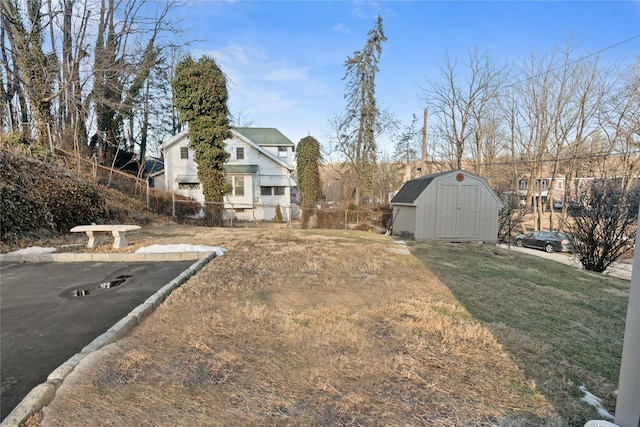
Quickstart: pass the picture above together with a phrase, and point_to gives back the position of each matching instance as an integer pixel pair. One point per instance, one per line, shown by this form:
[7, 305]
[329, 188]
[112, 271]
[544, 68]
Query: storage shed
[454, 206]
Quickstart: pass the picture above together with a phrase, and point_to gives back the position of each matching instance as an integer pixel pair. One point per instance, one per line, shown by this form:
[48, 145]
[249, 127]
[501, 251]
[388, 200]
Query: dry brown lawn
[297, 327]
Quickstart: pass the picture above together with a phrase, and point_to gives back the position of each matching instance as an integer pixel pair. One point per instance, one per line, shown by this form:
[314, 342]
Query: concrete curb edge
[43, 394]
[102, 256]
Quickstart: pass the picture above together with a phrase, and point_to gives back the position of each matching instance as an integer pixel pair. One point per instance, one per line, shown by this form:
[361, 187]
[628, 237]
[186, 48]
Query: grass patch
[564, 327]
[305, 327]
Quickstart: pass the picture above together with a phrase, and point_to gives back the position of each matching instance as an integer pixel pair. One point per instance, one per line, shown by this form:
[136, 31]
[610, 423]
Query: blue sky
[285, 59]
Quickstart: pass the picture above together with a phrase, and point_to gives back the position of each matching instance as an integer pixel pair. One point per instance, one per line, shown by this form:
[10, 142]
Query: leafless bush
[604, 226]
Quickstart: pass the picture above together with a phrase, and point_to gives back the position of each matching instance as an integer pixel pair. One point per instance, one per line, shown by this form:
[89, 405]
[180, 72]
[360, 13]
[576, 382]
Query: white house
[259, 168]
[454, 206]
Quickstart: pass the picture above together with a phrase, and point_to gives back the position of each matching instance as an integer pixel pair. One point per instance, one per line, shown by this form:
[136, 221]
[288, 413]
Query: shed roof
[265, 136]
[412, 189]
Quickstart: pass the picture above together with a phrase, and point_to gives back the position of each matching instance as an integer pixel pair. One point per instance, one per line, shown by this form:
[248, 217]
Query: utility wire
[522, 161]
[582, 58]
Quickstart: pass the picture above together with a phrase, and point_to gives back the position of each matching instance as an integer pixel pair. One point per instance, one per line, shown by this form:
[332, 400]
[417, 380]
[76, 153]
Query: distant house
[259, 170]
[454, 206]
[541, 187]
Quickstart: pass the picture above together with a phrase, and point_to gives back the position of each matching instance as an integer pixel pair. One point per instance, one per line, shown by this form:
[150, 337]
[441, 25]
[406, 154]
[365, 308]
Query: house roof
[412, 189]
[269, 134]
[262, 150]
[265, 136]
[174, 139]
[152, 166]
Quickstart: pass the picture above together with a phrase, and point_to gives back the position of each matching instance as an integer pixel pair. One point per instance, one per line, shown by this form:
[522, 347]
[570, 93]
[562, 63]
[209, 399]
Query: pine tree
[362, 108]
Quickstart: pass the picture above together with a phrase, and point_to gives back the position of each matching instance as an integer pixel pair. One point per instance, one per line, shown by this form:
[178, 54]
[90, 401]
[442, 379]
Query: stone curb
[110, 257]
[43, 394]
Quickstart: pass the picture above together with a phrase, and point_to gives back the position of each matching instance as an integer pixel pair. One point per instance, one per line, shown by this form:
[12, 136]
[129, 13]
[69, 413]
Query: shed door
[457, 215]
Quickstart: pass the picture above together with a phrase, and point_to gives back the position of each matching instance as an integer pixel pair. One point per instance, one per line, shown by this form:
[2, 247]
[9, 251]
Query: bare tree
[68, 20]
[489, 142]
[460, 104]
[620, 123]
[58, 90]
[30, 62]
[389, 178]
[241, 119]
[120, 71]
[408, 148]
[541, 100]
[578, 124]
[340, 156]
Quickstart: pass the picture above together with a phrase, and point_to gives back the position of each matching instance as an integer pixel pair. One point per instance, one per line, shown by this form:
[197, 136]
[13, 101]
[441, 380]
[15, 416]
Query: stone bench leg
[119, 239]
[91, 244]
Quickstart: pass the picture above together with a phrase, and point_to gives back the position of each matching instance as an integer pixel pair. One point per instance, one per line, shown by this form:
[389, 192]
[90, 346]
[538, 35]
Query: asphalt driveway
[621, 269]
[50, 311]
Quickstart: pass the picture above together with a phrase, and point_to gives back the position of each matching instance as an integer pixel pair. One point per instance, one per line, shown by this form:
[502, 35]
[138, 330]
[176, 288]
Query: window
[265, 191]
[239, 153]
[184, 152]
[238, 186]
[271, 191]
[282, 152]
[188, 185]
[559, 185]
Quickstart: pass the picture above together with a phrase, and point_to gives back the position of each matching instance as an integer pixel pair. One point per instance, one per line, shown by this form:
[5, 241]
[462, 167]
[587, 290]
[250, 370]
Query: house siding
[182, 170]
[256, 168]
[276, 152]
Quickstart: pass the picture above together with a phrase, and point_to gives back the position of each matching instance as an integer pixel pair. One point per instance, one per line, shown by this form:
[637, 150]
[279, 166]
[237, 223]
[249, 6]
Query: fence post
[50, 139]
[173, 204]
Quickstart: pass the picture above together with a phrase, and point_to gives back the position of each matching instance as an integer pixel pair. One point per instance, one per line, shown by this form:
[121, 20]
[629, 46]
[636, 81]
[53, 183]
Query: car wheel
[548, 248]
[519, 243]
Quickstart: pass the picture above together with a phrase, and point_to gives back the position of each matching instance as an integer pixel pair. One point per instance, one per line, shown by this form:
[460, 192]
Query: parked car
[549, 241]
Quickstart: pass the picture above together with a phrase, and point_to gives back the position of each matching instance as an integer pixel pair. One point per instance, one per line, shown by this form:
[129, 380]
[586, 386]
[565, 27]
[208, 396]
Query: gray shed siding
[404, 221]
[456, 212]
[449, 210]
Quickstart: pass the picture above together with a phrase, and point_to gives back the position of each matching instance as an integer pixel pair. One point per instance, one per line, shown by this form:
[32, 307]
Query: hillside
[40, 202]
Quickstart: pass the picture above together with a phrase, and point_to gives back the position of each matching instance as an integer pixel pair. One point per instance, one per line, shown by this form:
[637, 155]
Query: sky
[284, 60]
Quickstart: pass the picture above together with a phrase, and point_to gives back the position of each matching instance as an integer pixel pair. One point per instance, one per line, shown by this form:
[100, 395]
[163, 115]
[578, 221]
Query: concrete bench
[119, 233]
